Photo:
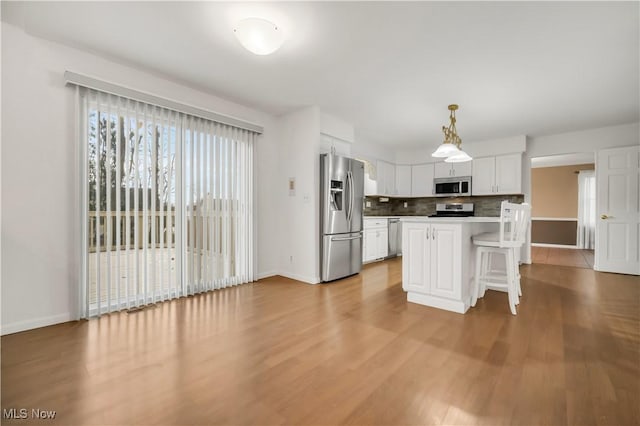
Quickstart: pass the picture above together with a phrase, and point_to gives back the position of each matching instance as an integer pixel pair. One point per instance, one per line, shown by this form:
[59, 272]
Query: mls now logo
[23, 413]
[15, 413]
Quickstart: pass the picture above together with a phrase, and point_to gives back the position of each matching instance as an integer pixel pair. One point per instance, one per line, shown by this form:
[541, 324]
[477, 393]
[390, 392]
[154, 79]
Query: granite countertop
[470, 219]
[382, 217]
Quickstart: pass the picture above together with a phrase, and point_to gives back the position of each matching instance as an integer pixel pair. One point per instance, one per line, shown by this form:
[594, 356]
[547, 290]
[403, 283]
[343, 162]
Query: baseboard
[262, 275]
[303, 278]
[457, 306]
[554, 246]
[16, 327]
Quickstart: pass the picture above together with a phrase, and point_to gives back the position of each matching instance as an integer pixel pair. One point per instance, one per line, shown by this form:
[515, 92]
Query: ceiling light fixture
[259, 36]
[450, 148]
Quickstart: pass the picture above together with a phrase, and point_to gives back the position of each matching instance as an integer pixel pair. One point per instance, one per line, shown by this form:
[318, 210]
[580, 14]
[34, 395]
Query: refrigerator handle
[346, 238]
[351, 196]
[348, 202]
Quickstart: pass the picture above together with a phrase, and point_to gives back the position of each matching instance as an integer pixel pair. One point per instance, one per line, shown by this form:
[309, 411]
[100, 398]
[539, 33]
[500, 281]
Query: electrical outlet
[368, 203]
[406, 204]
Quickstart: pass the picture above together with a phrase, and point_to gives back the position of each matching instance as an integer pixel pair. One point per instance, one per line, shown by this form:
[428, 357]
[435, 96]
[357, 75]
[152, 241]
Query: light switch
[368, 203]
[292, 187]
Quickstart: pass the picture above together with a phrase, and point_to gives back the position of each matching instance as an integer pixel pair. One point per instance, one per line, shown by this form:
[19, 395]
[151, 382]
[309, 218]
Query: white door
[509, 174]
[618, 222]
[482, 179]
[415, 257]
[422, 180]
[445, 260]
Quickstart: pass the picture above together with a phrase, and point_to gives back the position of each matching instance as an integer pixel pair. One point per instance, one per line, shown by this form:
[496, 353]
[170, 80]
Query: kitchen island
[438, 261]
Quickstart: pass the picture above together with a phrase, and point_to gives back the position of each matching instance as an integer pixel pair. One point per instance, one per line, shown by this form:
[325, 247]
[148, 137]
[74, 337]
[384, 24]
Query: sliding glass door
[168, 203]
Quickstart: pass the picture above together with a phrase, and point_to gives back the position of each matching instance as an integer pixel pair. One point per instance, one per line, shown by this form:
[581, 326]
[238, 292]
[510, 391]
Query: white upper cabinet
[497, 175]
[462, 169]
[386, 178]
[422, 180]
[482, 179]
[508, 174]
[370, 185]
[403, 181]
[443, 169]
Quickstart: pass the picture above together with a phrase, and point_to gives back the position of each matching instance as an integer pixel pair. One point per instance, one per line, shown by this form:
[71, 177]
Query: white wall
[39, 216]
[298, 238]
[372, 152]
[336, 127]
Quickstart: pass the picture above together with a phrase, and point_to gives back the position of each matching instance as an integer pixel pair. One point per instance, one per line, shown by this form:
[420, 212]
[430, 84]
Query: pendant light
[450, 148]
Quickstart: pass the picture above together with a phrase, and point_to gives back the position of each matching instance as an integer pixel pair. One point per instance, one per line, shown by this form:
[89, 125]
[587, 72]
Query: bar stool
[514, 220]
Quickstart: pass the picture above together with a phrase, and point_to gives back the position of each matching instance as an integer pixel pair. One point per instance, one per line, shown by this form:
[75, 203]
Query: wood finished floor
[562, 257]
[351, 352]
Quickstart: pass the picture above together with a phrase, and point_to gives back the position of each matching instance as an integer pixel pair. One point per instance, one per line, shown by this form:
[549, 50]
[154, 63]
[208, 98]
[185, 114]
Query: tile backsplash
[484, 206]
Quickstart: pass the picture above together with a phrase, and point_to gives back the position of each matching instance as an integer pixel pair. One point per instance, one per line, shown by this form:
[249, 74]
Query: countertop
[383, 217]
[470, 219]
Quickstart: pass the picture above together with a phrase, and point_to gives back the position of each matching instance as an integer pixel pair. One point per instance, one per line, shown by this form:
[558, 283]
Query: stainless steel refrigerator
[341, 203]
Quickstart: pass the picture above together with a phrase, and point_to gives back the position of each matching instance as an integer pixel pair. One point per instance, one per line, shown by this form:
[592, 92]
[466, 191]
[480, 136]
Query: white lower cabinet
[375, 243]
[432, 264]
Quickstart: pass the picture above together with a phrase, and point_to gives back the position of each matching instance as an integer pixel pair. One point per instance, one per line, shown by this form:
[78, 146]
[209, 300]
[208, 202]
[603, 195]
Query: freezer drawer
[341, 255]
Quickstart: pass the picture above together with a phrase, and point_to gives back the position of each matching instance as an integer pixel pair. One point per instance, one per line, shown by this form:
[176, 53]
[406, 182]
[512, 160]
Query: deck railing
[132, 233]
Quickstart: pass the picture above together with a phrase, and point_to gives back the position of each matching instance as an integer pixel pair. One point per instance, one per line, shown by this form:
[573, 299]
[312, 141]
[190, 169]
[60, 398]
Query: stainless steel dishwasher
[395, 237]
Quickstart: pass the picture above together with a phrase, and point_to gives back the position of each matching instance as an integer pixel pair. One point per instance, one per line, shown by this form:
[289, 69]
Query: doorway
[563, 210]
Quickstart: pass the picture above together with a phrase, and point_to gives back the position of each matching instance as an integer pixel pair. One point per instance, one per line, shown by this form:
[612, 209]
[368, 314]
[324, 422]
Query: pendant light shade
[445, 150]
[259, 36]
[460, 157]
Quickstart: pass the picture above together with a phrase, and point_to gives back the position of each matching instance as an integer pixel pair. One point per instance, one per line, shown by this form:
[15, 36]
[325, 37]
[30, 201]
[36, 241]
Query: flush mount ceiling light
[450, 148]
[259, 36]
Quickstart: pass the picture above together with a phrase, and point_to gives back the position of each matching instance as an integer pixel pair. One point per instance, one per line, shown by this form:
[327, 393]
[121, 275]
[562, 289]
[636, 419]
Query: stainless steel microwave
[452, 186]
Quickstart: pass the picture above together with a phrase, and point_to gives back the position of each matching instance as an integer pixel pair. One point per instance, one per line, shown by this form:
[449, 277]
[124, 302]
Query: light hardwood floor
[351, 352]
[562, 257]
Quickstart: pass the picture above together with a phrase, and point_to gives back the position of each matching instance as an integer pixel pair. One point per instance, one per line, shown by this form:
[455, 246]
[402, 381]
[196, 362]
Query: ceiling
[390, 68]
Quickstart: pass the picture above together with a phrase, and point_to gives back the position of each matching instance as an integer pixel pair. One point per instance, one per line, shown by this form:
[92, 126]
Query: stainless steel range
[454, 210]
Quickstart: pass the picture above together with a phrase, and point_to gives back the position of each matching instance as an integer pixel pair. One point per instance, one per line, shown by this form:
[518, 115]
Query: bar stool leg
[486, 257]
[475, 291]
[511, 281]
[516, 276]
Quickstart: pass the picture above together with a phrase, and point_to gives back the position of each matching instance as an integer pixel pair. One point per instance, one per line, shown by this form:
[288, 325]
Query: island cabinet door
[415, 257]
[445, 261]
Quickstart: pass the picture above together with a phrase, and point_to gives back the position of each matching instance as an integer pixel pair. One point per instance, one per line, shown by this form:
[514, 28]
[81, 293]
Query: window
[168, 201]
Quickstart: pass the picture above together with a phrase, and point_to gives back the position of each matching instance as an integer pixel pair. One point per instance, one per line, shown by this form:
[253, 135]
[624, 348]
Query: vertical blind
[586, 209]
[168, 203]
